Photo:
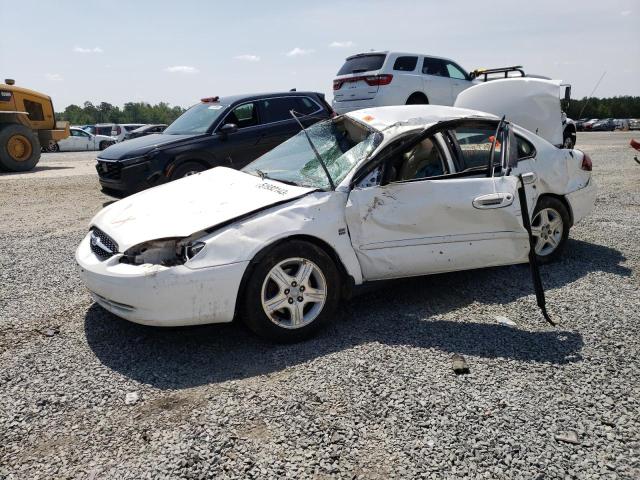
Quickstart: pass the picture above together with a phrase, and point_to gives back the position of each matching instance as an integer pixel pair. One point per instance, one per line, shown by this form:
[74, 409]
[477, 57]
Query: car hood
[191, 204]
[139, 146]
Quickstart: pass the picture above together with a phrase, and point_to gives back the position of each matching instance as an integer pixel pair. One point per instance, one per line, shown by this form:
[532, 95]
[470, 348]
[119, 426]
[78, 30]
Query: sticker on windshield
[367, 118]
[215, 107]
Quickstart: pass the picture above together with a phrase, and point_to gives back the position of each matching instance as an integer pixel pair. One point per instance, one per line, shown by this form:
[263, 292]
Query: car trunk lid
[356, 80]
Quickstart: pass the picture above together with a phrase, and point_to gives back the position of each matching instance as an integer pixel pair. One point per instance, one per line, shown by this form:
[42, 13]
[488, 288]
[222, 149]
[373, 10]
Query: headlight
[168, 252]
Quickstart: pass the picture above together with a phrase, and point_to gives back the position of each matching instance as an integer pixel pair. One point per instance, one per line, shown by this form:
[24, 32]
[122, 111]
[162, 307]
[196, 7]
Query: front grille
[109, 170]
[102, 245]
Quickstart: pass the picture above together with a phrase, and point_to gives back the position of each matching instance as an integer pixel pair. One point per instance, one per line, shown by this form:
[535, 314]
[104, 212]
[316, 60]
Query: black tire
[569, 140]
[186, 169]
[54, 148]
[555, 205]
[254, 314]
[104, 144]
[417, 99]
[28, 139]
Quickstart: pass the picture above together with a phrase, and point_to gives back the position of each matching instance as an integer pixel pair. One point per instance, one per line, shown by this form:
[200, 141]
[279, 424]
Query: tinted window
[243, 116]
[34, 109]
[305, 105]
[433, 66]
[455, 72]
[278, 109]
[362, 63]
[405, 64]
[103, 131]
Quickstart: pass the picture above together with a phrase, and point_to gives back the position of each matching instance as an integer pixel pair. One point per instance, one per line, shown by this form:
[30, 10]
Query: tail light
[372, 80]
[587, 164]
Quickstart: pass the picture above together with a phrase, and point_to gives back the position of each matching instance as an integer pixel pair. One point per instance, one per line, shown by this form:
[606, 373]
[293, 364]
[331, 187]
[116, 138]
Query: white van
[376, 79]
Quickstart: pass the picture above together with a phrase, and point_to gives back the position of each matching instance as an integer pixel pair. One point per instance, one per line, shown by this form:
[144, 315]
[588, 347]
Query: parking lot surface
[84, 394]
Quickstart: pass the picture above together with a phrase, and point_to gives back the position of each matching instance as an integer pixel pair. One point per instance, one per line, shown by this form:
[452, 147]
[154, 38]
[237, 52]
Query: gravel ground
[86, 395]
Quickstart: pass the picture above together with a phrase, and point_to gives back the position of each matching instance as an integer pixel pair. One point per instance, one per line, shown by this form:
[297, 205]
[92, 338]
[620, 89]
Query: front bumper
[582, 201]
[161, 296]
[120, 177]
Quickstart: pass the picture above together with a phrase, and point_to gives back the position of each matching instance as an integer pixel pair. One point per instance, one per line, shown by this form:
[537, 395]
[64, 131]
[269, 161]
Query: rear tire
[186, 169]
[299, 284]
[569, 140]
[19, 148]
[104, 144]
[550, 227]
[417, 99]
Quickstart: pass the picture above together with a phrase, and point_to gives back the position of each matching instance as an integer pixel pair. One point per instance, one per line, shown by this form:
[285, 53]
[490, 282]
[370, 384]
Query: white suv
[376, 79]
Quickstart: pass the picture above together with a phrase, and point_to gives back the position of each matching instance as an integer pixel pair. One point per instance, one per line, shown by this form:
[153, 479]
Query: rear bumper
[582, 201]
[351, 105]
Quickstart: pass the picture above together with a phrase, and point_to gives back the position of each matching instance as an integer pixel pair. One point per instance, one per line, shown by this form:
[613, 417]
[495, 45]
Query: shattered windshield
[196, 120]
[341, 142]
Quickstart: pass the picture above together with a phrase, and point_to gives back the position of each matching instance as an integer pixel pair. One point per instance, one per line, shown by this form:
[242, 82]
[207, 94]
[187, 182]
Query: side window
[474, 143]
[405, 64]
[75, 133]
[433, 66]
[305, 105]
[34, 109]
[455, 72]
[277, 109]
[425, 160]
[525, 148]
[243, 116]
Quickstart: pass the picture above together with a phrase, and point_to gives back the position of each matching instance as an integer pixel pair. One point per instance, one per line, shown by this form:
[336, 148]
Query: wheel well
[418, 94]
[562, 199]
[347, 280]
[181, 161]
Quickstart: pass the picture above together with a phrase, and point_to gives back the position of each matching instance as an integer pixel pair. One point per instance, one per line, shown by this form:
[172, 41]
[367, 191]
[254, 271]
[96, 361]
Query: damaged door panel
[430, 226]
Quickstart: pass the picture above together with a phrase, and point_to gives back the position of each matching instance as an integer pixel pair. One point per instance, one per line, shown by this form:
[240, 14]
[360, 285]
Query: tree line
[131, 112]
[142, 112]
[614, 107]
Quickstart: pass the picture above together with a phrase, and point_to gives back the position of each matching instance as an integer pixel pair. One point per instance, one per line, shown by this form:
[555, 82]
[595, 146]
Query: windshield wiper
[315, 150]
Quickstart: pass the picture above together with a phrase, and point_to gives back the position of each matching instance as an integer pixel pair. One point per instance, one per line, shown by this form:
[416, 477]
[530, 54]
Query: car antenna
[592, 92]
[315, 150]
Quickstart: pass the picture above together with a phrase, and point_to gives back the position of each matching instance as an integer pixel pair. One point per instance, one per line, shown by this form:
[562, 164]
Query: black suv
[228, 131]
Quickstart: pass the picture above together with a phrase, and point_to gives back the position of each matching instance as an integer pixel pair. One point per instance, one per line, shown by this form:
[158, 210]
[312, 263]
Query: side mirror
[227, 129]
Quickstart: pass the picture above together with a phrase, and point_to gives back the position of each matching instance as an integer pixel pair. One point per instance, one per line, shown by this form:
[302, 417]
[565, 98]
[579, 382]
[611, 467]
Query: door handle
[493, 200]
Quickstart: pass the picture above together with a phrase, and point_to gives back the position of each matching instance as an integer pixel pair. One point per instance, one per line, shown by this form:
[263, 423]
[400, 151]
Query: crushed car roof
[412, 116]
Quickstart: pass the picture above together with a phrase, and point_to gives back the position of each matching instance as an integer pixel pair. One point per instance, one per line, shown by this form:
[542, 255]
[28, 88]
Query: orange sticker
[368, 118]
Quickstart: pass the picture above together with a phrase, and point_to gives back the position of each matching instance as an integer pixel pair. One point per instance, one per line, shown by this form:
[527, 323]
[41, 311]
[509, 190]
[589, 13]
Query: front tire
[550, 227]
[19, 148]
[292, 292]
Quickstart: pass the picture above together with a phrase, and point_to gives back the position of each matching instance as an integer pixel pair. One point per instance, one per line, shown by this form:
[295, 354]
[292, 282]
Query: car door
[458, 77]
[436, 82]
[87, 141]
[241, 147]
[279, 124]
[428, 219]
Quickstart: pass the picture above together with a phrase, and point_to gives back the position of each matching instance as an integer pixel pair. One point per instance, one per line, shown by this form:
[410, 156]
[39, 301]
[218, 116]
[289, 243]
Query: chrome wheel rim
[547, 227]
[294, 293]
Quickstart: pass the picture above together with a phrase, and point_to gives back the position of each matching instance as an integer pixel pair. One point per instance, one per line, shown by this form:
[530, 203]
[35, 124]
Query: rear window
[103, 131]
[405, 64]
[362, 63]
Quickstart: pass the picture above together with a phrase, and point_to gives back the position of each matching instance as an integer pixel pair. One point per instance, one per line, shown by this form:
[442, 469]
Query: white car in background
[117, 130]
[81, 140]
[384, 193]
[377, 79]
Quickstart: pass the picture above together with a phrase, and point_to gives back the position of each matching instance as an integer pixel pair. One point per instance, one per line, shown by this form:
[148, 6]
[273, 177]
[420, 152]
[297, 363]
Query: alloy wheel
[547, 227]
[294, 293]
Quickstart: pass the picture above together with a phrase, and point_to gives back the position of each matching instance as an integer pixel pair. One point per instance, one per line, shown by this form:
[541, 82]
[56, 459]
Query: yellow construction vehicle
[27, 124]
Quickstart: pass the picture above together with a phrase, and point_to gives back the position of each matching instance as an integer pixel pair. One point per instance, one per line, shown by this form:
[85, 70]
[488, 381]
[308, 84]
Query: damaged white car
[374, 194]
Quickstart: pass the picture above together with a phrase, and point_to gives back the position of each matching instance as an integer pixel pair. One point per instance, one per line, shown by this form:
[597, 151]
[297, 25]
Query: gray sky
[118, 51]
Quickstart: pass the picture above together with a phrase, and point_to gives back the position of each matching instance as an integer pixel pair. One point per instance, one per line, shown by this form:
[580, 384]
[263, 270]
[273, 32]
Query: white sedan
[79, 140]
[383, 193]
